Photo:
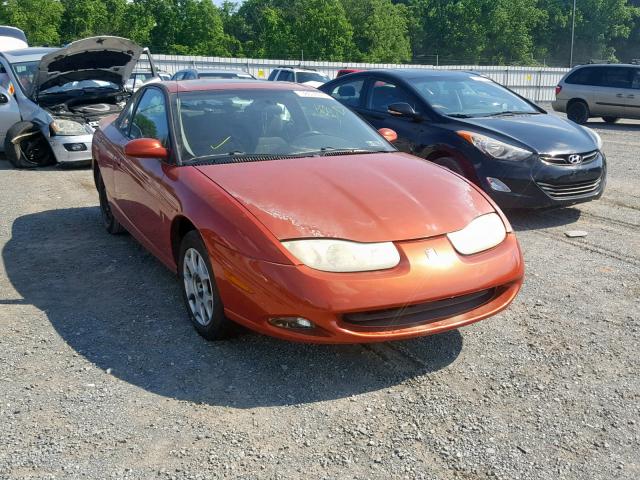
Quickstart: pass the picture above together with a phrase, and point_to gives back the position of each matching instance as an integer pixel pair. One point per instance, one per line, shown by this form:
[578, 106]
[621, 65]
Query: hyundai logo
[575, 159]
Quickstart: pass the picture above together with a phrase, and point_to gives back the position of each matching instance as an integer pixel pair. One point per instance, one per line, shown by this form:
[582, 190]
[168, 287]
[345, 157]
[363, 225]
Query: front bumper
[536, 184]
[62, 150]
[254, 291]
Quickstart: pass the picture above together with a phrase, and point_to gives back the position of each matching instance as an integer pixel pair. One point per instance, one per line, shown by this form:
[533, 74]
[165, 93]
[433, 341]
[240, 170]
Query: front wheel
[199, 290]
[451, 164]
[25, 147]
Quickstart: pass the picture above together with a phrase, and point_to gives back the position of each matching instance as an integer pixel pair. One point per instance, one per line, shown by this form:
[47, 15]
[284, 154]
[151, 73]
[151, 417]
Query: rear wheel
[199, 290]
[610, 119]
[108, 220]
[25, 147]
[578, 112]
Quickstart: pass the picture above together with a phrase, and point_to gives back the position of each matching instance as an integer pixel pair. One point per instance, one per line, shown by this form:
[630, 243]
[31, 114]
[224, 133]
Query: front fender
[220, 218]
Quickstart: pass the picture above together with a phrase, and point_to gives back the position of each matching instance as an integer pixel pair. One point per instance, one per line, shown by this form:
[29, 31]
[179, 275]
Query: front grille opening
[420, 313]
[564, 159]
[570, 190]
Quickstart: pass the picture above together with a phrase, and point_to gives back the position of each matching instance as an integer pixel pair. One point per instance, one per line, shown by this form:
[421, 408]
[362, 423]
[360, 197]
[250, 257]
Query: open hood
[108, 59]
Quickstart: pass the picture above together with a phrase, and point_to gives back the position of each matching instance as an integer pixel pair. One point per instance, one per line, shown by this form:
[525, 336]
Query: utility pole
[573, 30]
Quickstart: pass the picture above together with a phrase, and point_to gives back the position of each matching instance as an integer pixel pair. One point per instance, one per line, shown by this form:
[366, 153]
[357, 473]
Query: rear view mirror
[388, 134]
[146, 148]
[402, 110]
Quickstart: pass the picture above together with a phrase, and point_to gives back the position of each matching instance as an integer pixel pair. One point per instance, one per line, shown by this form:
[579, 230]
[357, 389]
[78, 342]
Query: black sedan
[513, 149]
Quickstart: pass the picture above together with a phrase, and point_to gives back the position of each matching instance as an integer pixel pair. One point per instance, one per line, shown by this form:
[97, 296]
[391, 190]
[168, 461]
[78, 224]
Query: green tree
[39, 19]
[380, 30]
[186, 27]
[87, 18]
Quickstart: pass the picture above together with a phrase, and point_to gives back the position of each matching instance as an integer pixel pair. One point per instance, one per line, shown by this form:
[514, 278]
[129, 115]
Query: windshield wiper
[459, 115]
[343, 151]
[510, 112]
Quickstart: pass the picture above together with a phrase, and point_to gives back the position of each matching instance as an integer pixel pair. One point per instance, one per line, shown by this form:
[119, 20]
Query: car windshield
[472, 96]
[311, 77]
[218, 124]
[25, 73]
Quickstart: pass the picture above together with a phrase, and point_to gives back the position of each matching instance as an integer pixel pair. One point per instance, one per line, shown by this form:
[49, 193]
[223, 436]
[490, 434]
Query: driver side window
[384, 94]
[150, 117]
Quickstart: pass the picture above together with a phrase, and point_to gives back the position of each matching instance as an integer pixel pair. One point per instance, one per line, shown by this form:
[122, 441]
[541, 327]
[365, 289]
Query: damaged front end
[73, 119]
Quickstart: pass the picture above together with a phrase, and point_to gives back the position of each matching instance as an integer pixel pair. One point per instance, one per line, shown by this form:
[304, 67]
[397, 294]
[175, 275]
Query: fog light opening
[75, 147]
[497, 185]
[291, 323]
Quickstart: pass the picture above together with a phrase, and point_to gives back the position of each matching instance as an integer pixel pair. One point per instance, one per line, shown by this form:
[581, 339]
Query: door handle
[619, 95]
[631, 96]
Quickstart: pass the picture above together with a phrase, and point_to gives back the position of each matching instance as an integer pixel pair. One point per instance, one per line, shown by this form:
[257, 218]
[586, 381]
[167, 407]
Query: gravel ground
[101, 375]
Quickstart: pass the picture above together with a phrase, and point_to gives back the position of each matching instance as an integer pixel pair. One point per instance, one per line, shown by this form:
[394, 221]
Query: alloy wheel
[197, 286]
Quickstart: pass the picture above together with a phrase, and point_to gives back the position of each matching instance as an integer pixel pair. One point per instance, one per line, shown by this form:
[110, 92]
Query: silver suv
[306, 76]
[608, 91]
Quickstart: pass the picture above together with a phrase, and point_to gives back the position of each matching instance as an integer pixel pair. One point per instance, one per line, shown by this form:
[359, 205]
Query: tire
[610, 119]
[199, 290]
[109, 221]
[452, 164]
[31, 151]
[578, 112]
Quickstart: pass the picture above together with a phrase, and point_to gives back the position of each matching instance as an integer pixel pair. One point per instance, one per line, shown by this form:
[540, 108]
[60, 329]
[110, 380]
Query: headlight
[332, 255]
[481, 234]
[61, 126]
[595, 136]
[495, 148]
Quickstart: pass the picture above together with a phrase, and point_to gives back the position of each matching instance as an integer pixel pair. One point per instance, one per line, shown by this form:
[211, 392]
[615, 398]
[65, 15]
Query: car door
[9, 110]
[382, 93]
[613, 85]
[141, 192]
[633, 96]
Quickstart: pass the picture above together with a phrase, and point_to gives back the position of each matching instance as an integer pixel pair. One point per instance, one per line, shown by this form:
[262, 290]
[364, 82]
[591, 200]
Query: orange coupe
[283, 211]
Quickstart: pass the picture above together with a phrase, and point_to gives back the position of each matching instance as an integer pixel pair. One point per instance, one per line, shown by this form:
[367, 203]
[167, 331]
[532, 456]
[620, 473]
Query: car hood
[543, 133]
[364, 198]
[108, 59]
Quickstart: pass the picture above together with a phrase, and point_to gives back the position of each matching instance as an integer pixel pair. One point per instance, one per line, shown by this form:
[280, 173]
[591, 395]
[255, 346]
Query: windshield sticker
[311, 94]
[480, 79]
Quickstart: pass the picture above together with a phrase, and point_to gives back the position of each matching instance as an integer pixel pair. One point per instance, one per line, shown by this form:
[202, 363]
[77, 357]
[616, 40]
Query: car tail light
[558, 89]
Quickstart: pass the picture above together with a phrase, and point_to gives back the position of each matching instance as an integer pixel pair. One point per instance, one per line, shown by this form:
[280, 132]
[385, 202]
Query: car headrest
[347, 91]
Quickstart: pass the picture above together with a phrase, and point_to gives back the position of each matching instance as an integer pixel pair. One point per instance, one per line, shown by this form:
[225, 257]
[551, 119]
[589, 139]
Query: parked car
[281, 210]
[346, 71]
[51, 100]
[192, 74]
[608, 91]
[139, 78]
[306, 76]
[12, 38]
[516, 152]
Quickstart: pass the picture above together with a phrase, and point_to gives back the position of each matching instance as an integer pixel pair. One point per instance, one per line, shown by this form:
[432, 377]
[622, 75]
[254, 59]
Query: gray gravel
[101, 375]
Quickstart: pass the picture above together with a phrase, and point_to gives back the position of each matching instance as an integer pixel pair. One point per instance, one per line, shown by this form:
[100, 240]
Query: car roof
[627, 65]
[181, 86]
[27, 54]
[213, 70]
[412, 73]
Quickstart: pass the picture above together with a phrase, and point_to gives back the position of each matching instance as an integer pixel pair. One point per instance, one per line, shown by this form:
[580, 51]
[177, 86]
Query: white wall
[536, 83]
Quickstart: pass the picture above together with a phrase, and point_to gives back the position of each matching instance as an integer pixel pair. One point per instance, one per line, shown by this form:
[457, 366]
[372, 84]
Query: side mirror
[403, 110]
[3, 99]
[146, 148]
[388, 134]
